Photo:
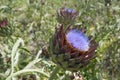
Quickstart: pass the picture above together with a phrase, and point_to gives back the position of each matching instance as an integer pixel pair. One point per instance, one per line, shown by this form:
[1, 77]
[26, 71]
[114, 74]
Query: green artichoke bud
[71, 48]
[67, 16]
[5, 28]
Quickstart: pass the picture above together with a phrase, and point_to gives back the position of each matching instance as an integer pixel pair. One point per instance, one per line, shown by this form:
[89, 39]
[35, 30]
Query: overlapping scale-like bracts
[71, 54]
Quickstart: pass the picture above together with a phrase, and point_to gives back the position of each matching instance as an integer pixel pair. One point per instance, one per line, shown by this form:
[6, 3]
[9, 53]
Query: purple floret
[78, 39]
[70, 10]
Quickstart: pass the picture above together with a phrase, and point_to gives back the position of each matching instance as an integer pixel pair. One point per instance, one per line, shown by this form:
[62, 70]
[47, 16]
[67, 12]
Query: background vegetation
[23, 47]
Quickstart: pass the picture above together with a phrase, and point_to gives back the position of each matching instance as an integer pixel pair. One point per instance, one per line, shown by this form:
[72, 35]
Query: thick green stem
[54, 73]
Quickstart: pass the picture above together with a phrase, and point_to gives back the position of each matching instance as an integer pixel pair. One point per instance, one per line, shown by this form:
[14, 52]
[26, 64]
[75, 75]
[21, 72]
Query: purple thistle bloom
[71, 48]
[78, 39]
[67, 16]
[70, 10]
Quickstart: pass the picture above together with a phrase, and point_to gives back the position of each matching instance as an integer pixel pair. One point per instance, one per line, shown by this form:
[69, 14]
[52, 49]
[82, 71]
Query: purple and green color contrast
[67, 16]
[71, 49]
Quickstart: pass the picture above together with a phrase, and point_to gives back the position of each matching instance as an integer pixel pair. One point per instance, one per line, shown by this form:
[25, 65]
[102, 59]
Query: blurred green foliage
[24, 55]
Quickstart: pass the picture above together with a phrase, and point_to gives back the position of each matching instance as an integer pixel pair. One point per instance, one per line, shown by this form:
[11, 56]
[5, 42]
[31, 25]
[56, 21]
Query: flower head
[71, 49]
[78, 39]
[67, 16]
[70, 11]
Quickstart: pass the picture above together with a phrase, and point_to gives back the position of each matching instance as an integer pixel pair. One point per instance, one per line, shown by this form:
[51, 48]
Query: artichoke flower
[67, 16]
[71, 49]
[5, 28]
